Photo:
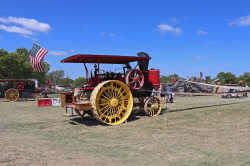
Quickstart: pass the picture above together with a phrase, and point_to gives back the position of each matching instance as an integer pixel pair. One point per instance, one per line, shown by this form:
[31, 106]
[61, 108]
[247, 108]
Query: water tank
[154, 77]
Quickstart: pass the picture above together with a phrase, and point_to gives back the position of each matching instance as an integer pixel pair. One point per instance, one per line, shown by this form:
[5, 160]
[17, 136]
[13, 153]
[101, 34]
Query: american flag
[37, 54]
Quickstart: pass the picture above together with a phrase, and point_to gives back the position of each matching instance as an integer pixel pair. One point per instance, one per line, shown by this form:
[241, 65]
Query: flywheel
[112, 102]
[135, 79]
[12, 94]
[152, 106]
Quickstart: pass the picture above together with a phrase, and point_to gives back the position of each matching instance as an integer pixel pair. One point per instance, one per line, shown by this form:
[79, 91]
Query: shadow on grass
[90, 121]
[207, 106]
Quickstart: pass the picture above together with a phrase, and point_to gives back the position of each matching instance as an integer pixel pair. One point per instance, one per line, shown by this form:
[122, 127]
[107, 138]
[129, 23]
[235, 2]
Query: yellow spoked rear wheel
[112, 102]
[12, 94]
[153, 106]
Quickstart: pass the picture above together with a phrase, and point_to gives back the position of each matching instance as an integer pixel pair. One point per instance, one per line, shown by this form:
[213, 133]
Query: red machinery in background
[13, 89]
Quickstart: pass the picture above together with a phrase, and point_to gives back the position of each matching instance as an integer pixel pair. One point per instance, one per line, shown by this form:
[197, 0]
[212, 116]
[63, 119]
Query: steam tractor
[110, 95]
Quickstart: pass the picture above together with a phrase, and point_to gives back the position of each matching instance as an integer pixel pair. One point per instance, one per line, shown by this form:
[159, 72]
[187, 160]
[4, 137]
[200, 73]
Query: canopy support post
[86, 71]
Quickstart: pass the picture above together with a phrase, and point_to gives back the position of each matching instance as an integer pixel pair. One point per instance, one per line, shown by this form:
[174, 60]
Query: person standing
[170, 95]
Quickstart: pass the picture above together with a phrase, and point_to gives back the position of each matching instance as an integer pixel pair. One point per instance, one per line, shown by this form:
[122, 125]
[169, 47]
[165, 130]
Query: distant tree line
[221, 78]
[16, 65]
[57, 77]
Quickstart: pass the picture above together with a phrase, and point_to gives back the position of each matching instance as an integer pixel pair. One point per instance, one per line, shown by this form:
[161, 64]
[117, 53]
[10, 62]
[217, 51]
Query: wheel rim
[135, 79]
[152, 106]
[12, 94]
[113, 102]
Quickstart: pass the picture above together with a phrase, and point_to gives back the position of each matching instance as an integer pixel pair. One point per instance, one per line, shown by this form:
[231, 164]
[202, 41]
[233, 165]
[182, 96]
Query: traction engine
[110, 96]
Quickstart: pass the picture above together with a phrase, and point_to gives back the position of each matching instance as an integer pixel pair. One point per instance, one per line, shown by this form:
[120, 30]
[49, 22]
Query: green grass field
[199, 131]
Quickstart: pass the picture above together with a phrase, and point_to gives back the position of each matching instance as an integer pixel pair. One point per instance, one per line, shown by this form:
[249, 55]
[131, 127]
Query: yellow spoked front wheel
[112, 102]
[12, 94]
[152, 106]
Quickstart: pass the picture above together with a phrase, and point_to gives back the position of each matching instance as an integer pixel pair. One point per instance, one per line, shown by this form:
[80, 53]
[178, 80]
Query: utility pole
[54, 78]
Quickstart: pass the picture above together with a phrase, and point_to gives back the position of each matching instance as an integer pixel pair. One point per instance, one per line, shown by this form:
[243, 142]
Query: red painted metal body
[44, 102]
[28, 85]
[134, 80]
[154, 77]
[21, 81]
[14, 80]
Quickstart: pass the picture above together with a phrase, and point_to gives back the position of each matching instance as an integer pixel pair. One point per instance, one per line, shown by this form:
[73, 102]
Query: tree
[16, 65]
[23, 52]
[227, 78]
[245, 78]
[169, 78]
[3, 52]
[221, 77]
[164, 79]
[208, 79]
[78, 81]
[56, 77]
[67, 82]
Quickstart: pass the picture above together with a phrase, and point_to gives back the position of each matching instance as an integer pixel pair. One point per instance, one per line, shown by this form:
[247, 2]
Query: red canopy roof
[109, 59]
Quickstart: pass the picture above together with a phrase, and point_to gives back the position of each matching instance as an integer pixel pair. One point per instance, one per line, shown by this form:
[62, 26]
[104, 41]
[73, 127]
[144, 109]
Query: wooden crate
[66, 98]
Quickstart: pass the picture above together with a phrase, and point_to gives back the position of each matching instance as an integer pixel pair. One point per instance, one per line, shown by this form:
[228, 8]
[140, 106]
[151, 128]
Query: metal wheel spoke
[119, 92]
[106, 95]
[104, 104]
[112, 102]
[113, 111]
[124, 98]
[123, 107]
[109, 94]
[134, 84]
[109, 111]
[115, 93]
[105, 110]
[104, 99]
[152, 106]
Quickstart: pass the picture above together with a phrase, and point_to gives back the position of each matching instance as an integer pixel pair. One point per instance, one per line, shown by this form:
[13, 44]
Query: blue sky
[183, 37]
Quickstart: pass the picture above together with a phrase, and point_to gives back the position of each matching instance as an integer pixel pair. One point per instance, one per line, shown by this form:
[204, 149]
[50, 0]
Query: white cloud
[108, 34]
[58, 53]
[111, 35]
[15, 29]
[241, 21]
[164, 28]
[174, 20]
[27, 23]
[23, 26]
[201, 32]
[196, 57]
